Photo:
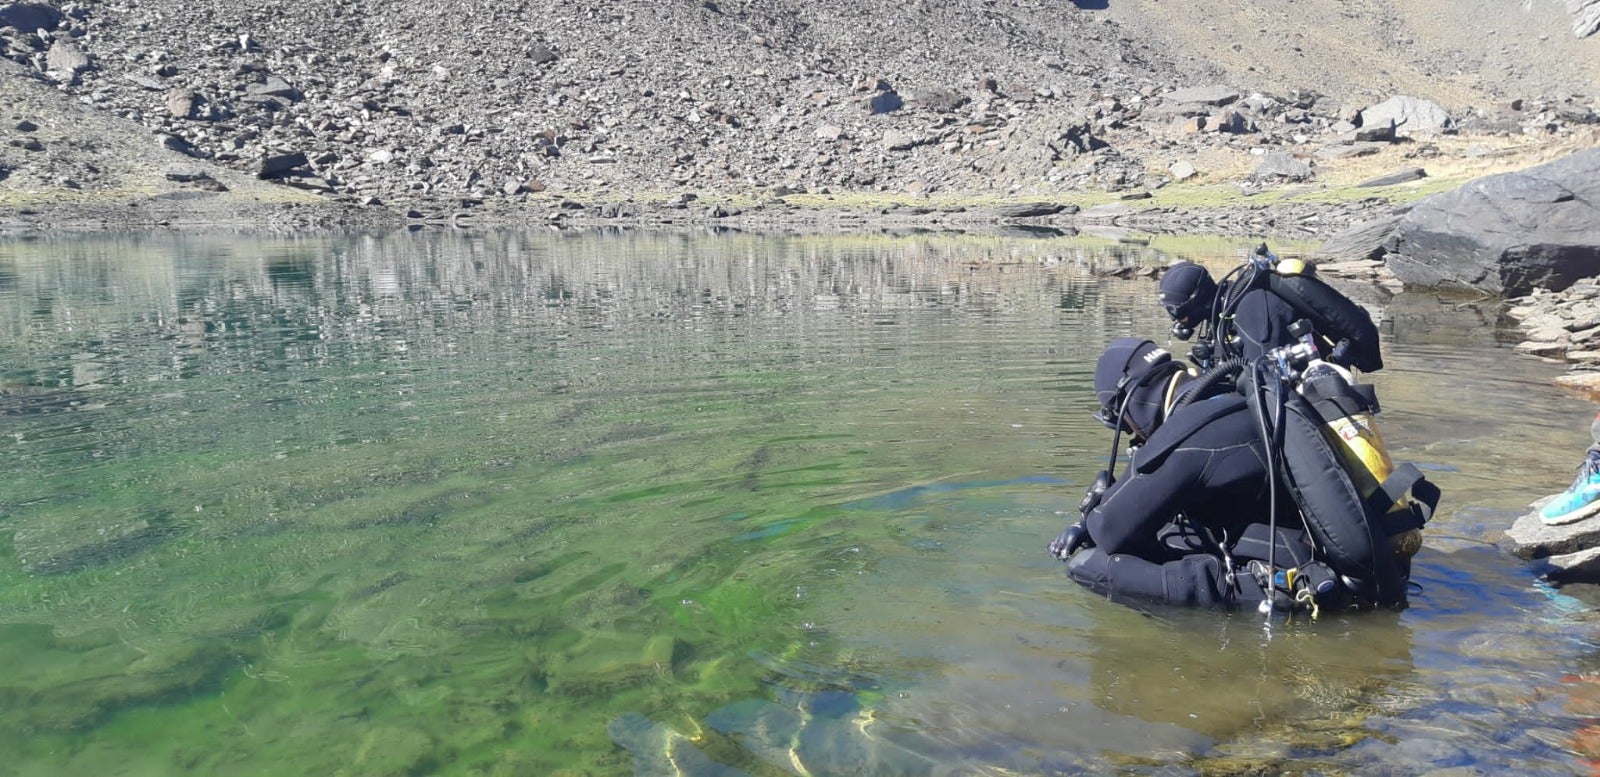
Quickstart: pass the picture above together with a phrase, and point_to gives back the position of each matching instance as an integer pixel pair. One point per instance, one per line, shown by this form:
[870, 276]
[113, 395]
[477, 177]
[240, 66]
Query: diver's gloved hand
[1069, 541]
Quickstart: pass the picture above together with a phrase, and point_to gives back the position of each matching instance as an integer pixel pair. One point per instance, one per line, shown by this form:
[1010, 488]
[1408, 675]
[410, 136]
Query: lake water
[709, 504]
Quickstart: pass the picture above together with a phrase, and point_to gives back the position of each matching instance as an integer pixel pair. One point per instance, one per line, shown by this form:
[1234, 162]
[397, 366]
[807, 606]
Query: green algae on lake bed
[514, 503]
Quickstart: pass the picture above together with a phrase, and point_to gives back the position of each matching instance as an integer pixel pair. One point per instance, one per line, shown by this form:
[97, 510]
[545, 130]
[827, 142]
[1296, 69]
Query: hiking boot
[1581, 500]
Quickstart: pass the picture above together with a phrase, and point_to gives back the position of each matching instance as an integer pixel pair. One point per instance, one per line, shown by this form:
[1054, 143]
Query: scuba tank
[1297, 421]
[1349, 412]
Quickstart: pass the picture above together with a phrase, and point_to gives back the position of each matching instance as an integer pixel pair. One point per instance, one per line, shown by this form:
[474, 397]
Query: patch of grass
[121, 196]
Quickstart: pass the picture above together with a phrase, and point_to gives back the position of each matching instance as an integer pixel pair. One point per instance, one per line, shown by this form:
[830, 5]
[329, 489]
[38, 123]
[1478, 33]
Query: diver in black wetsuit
[1251, 310]
[1189, 522]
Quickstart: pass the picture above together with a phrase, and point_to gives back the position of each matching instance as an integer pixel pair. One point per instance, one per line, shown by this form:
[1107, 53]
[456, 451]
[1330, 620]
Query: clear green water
[553, 503]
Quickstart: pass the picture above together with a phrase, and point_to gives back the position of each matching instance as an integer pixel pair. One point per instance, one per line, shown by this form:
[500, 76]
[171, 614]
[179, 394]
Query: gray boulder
[1398, 177]
[1580, 567]
[274, 86]
[541, 54]
[178, 144]
[182, 103]
[1349, 150]
[28, 17]
[1030, 210]
[884, 102]
[1205, 95]
[1376, 132]
[940, 99]
[1568, 553]
[67, 60]
[1410, 115]
[1506, 234]
[194, 176]
[1282, 165]
[1362, 242]
[1232, 122]
[896, 140]
[285, 165]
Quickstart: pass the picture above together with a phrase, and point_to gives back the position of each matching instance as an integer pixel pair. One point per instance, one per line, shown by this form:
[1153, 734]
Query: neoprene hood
[1188, 292]
[1123, 378]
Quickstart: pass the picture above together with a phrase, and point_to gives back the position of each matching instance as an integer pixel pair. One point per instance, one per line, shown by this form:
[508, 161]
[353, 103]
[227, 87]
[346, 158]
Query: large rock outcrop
[1407, 116]
[1585, 17]
[1507, 234]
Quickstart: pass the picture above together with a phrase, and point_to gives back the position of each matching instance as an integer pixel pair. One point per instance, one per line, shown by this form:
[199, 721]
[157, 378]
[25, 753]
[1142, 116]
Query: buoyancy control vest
[1314, 475]
[1364, 513]
[1345, 330]
[1333, 315]
[1396, 498]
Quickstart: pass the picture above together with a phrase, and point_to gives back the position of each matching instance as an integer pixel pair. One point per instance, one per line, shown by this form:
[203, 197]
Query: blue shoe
[1578, 502]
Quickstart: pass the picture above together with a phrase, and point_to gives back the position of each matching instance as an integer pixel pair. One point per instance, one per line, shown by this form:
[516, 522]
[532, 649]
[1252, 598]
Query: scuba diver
[1234, 493]
[1250, 311]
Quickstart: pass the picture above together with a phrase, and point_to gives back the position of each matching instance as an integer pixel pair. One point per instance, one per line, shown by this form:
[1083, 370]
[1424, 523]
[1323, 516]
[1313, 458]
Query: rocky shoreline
[1563, 327]
[1039, 219]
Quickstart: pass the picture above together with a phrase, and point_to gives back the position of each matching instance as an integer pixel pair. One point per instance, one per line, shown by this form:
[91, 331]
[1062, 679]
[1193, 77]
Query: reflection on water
[717, 504]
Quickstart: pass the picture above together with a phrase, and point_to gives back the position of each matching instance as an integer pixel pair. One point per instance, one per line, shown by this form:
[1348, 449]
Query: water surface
[713, 504]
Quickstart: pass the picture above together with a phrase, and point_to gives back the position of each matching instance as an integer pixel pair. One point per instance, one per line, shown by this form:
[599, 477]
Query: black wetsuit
[1261, 321]
[1206, 462]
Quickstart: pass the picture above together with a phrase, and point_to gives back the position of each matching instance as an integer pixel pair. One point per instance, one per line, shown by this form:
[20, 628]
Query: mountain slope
[451, 105]
[1463, 54]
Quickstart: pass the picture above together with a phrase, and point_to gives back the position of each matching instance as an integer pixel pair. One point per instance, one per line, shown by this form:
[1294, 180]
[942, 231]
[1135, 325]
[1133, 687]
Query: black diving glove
[1069, 541]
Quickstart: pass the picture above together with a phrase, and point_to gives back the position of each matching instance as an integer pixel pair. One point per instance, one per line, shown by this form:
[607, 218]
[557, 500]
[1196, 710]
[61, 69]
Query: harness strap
[1394, 488]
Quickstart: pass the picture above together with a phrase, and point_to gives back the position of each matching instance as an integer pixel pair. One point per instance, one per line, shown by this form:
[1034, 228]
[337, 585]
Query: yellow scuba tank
[1294, 267]
[1352, 431]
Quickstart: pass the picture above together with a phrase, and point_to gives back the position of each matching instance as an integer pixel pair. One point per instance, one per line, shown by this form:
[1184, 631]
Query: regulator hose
[1200, 388]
